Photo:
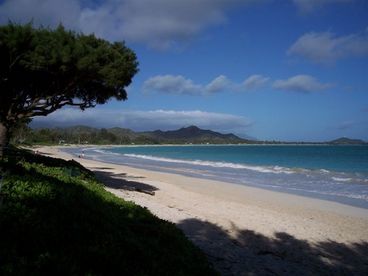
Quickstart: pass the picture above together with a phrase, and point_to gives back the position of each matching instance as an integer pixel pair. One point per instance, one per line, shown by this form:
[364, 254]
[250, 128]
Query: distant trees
[42, 70]
[74, 135]
[121, 136]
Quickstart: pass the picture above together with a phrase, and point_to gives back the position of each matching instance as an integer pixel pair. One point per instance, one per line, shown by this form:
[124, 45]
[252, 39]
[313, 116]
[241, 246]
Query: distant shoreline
[183, 145]
[185, 135]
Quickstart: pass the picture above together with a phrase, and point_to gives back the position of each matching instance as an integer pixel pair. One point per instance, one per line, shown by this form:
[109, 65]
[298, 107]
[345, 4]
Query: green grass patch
[56, 218]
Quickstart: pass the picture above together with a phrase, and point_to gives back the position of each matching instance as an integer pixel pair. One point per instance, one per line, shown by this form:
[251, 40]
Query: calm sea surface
[337, 173]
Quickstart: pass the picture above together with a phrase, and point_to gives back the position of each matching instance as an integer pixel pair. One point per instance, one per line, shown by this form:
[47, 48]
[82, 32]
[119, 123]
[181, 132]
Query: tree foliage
[42, 70]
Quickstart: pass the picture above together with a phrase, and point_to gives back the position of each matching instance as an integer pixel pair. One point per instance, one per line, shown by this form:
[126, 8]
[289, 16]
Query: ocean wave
[105, 152]
[331, 193]
[342, 179]
[275, 169]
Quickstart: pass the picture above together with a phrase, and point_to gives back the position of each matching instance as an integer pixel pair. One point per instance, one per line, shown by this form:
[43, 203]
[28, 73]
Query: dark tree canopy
[42, 70]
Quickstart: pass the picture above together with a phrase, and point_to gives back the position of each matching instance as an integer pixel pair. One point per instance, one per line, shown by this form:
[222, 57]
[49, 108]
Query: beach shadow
[102, 168]
[45, 153]
[122, 175]
[119, 181]
[245, 252]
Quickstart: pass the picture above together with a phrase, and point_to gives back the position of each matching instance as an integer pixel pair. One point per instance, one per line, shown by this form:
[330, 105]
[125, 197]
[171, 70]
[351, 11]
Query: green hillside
[56, 219]
[122, 136]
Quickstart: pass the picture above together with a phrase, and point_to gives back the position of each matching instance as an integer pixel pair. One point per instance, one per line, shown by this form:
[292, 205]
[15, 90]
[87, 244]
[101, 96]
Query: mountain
[347, 141]
[123, 132]
[116, 135]
[123, 136]
[194, 134]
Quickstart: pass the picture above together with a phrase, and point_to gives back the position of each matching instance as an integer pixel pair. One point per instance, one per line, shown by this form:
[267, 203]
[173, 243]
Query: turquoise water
[337, 173]
[336, 158]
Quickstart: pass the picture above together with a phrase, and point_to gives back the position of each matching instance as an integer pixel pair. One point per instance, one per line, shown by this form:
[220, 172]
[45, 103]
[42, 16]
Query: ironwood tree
[43, 69]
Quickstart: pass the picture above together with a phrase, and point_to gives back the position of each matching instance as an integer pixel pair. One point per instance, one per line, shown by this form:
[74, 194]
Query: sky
[290, 70]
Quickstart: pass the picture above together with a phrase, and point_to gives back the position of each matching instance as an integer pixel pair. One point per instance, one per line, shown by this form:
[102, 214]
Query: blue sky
[270, 69]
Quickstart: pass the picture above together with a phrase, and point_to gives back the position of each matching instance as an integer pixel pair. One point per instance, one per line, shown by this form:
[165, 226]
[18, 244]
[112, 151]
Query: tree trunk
[4, 138]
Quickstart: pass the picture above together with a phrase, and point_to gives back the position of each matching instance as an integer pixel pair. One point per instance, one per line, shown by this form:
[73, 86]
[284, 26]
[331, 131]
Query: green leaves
[43, 70]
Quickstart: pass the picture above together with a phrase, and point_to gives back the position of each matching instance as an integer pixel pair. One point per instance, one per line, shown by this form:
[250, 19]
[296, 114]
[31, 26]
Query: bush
[57, 219]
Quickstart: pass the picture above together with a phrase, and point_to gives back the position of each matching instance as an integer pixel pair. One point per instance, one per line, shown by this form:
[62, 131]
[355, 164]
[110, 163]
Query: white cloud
[301, 83]
[144, 120]
[158, 23]
[310, 5]
[219, 84]
[45, 12]
[255, 81]
[178, 84]
[172, 85]
[326, 47]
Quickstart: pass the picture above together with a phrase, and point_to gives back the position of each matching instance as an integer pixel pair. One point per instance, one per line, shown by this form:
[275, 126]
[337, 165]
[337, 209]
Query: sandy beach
[245, 230]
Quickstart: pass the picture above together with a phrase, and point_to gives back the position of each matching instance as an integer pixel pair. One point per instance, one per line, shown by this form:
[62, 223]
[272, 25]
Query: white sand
[246, 230]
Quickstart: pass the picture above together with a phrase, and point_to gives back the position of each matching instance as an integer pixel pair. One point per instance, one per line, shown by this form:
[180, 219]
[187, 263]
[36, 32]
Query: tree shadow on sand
[245, 252]
[119, 181]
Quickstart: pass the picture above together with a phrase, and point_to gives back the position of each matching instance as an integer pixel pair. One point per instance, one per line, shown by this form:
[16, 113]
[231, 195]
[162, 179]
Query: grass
[57, 219]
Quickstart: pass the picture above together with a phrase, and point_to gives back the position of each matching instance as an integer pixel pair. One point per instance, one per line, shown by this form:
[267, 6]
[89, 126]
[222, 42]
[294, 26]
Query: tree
[42, 70]
[20, 131]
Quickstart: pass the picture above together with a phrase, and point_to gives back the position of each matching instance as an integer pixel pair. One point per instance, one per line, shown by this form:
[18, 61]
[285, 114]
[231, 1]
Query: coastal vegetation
[57, 219]
[43, 70]
[121, 136]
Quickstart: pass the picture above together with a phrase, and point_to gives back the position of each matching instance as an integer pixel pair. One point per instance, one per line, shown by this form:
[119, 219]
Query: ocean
[335, 173]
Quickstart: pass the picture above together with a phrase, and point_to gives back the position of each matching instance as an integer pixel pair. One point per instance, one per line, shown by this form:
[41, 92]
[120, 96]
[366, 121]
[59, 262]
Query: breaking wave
[270, 169]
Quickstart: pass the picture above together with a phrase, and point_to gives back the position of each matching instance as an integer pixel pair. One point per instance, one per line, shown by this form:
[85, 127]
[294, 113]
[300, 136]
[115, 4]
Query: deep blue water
[337, 173]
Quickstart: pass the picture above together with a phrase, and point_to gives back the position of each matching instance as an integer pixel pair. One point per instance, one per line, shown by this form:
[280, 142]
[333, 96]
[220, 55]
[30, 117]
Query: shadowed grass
[57, 219]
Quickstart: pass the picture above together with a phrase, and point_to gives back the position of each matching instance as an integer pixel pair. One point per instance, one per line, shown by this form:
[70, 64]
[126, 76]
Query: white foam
[99, 151]
[105, 152]
[341, 179]
[275, 169]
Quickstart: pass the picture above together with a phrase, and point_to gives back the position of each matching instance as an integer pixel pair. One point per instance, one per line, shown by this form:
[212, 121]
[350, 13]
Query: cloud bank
[179, 85]
[42, 12]
[144, 120]
[160, 24]
[326, 47]
[301, 83]
[157, 23]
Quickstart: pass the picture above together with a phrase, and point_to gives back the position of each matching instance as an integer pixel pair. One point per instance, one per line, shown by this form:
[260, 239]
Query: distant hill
[195, 135]
[122, 136]
[347, 141]
[116, 135]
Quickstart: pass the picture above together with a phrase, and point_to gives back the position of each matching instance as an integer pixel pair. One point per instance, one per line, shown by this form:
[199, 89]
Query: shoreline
[258, 193]
[227, 210]
[287, 178]
[209, 144]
